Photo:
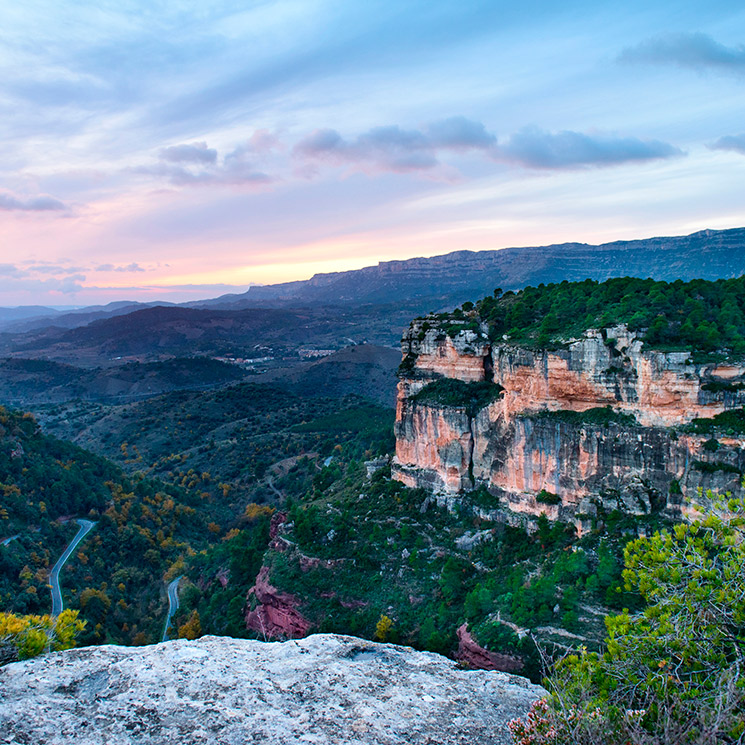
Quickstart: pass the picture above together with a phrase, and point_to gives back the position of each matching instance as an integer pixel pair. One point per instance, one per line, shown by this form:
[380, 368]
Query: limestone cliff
[525, 445]
[322, 689]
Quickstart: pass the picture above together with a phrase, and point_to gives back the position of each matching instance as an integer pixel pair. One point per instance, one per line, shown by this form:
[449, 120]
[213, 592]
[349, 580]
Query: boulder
[321, 689]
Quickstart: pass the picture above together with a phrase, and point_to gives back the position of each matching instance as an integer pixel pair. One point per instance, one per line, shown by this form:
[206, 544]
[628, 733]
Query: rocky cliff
[321, 689]
[599, 418]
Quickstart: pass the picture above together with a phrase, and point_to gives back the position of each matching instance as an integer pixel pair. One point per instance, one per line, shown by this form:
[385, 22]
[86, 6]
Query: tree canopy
[672, 672]
[699, 315]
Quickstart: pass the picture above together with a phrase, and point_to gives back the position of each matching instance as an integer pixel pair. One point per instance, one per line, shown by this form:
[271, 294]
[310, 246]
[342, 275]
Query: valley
[535, 435]
[372, 374]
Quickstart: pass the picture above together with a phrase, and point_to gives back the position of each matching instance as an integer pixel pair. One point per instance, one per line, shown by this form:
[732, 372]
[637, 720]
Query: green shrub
[717, 386]
[731, 422]
[547, 497]
[706, 467]
[450, 392]
[670, 673]
[601, 416]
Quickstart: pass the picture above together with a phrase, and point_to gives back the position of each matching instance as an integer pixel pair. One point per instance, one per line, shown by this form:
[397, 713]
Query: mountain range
[441, 282]
[285, 323]
[452, 278]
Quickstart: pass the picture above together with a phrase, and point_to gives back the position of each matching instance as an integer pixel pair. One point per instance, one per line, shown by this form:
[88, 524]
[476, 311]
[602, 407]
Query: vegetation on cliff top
[700, 315]
[451, 392]
[601, 416]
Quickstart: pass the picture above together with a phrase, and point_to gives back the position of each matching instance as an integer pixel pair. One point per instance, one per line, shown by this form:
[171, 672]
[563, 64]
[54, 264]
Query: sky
[181, 150]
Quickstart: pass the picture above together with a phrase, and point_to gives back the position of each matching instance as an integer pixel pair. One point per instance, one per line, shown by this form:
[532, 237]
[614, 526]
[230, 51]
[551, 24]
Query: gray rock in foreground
[322, 689]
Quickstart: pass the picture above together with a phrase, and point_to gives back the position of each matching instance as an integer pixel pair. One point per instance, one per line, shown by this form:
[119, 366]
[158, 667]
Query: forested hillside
[115, 578]
[161, 505]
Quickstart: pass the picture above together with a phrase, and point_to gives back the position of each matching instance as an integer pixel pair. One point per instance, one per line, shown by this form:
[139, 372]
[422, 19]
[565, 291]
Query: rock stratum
[321, 689]
[525, 448]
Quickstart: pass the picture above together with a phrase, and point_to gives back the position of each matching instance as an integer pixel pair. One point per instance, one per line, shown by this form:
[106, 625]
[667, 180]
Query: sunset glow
[184, 152]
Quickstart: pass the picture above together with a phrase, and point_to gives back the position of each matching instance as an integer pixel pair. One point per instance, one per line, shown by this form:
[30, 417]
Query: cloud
[68, 285]
[55, 278]
[11, 270]
[400, 151]
[133, 267]
[535, 148]
[261, 142]
[20, 282]
[196, 164]
[391, 148]
[43, 203]
[459, 133]
[321, 142]
[196, 152]
[382, 148]
[736, 143]
[695, 50]
[42, 268]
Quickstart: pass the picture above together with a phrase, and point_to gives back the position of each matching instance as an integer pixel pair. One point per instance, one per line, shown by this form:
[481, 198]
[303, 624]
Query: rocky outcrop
[323, 689]
[522, 448]
[612, 368]
[272, 613]
[473, 655]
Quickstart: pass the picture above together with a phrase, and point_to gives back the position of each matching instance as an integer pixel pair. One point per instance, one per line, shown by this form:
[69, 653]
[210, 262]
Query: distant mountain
[46, 317]
[463, 275]
[162, 332]
[373, 305]
[10, 315]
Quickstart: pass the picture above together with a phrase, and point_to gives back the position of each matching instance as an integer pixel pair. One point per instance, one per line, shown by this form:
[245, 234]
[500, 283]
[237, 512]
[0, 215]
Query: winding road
[172, 604]
[57, 604]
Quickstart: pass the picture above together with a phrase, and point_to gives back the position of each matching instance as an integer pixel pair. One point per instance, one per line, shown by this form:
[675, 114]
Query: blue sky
[170, 150]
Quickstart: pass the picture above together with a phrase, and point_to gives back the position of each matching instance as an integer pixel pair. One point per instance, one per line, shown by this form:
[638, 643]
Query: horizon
[242, 290]
[176, 154]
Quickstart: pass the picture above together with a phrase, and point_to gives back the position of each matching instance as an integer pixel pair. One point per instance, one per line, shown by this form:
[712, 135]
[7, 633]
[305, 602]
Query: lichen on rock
[322, 689]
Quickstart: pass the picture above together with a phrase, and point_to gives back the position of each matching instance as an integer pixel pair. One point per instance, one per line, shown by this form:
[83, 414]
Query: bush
[671, 673]
[711, 445]
[451, 392]
[730, 422]
[706, 467]
[601, 416]
[22, 637]
[547, 497]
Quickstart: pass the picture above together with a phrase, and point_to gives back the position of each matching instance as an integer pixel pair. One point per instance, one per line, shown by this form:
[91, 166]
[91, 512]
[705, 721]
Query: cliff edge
[601, 419]
[321, 689]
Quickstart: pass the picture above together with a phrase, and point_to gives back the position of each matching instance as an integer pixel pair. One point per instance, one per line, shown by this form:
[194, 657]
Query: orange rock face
[475, 656]
[517, 451]
[439, 355]
[446, 450]
[276, 615]
[659, 389]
